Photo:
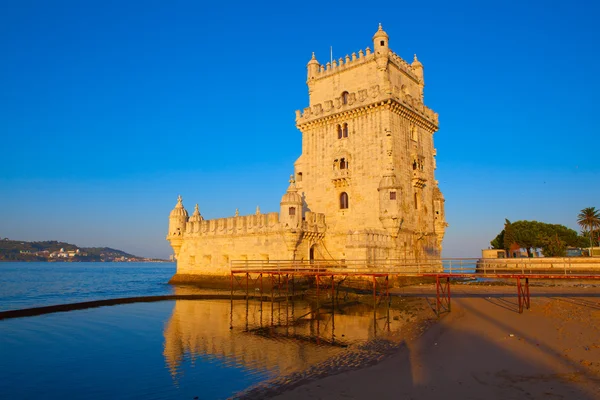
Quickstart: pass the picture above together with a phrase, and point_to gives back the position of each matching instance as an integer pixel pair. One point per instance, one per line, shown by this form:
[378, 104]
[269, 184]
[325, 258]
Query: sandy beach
[485, 349]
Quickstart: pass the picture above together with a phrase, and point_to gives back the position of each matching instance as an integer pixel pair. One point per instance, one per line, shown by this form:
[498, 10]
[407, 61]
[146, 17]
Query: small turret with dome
[313, 68]
[196, 217]
[178, 218]
[380, 39]
[381, 48]
[291, 206]
[177, 221]
[381, 43]
[417, 68]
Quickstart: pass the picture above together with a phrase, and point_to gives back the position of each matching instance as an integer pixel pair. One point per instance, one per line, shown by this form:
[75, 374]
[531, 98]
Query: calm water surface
[35, 284]
[180, 349]
[209, 349]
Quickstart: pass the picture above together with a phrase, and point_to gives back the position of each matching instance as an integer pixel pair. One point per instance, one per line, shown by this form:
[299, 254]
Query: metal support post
[442, 295]
[523, 294]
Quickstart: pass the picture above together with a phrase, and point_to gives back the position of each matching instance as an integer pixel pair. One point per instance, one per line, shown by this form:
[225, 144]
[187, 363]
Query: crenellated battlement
[363, 57]
[363, 98]
[251, 224]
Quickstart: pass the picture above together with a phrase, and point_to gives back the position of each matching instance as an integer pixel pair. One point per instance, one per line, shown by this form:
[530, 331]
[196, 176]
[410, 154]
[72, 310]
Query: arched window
[343, 163]
[292, 211]
[339, 131]
[343, 200]
[345, 130]
[345, 98]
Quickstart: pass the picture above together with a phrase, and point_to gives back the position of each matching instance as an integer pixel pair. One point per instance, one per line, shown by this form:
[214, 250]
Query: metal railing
[472, 267]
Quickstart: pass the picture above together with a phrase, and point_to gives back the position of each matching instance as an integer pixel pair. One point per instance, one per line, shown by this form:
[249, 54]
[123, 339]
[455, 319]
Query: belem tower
[363, 187]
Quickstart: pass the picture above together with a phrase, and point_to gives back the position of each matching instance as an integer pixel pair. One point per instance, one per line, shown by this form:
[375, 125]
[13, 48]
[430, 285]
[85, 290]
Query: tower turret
[196, 217]
[381, 47]
[290, 214]
[177, 221]
[312, 67]
[417, 68]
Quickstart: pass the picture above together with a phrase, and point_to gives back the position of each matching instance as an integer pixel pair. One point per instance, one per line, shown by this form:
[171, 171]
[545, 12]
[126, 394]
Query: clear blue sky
[110, 109]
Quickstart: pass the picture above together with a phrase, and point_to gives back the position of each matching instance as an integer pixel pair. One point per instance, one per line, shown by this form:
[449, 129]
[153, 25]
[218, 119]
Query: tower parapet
[363, 100]
[381, 52]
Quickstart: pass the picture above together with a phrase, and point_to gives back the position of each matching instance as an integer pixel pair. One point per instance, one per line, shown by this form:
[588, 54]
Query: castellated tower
[368, 157]
[363, 187]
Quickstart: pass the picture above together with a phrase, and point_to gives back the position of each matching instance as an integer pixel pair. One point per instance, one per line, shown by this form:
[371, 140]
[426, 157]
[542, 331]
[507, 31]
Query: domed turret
[381, 41]
[417, 68]
[291, 206]
[178, 219]
[313, 67]
[381, 48]
[196, 217]
[179, 210]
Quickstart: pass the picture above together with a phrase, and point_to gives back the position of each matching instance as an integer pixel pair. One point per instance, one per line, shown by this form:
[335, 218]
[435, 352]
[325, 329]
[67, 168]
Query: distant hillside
[52, 250]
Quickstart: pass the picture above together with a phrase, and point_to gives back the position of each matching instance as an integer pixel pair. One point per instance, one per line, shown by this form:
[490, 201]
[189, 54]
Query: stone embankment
[559, 265]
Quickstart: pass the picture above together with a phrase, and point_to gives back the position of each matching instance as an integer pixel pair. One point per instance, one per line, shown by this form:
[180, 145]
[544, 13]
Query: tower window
[413, 134]
[392, 195]
[345, 130]
[339, 131]
[382, 43]
[343, 201]
[299, 177]
[292, 211]
[416, 201]
[345, 98]
[343, 164]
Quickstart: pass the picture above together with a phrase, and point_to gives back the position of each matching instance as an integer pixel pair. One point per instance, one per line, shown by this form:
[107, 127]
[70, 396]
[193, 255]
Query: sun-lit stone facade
[363, 187]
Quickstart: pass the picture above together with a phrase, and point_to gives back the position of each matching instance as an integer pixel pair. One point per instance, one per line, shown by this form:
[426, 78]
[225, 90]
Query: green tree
[553, 246]
[589, 220]
[527, 235]
[553, 239]
[498, 242]
[585, 237]
[509, 236]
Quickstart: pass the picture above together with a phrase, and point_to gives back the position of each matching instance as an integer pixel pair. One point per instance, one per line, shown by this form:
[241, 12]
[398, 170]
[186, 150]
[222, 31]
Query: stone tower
[368, 158]
[363, 188]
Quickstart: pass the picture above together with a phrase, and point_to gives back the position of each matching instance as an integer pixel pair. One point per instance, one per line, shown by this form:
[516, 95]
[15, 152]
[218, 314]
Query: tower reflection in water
[272, 337]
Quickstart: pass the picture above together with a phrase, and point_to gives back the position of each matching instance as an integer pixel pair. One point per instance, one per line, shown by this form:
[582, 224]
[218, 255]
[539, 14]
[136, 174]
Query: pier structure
[254, 277]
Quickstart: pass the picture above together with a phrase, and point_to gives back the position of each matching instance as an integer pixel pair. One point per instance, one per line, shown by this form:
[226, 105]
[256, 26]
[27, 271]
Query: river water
[183, 349]
[35, 284]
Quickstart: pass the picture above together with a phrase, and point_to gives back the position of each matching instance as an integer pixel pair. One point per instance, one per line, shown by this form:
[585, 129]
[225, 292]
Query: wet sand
[483, 349]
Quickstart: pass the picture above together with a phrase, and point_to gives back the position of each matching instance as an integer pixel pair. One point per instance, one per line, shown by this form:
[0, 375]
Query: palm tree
[589, 219]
